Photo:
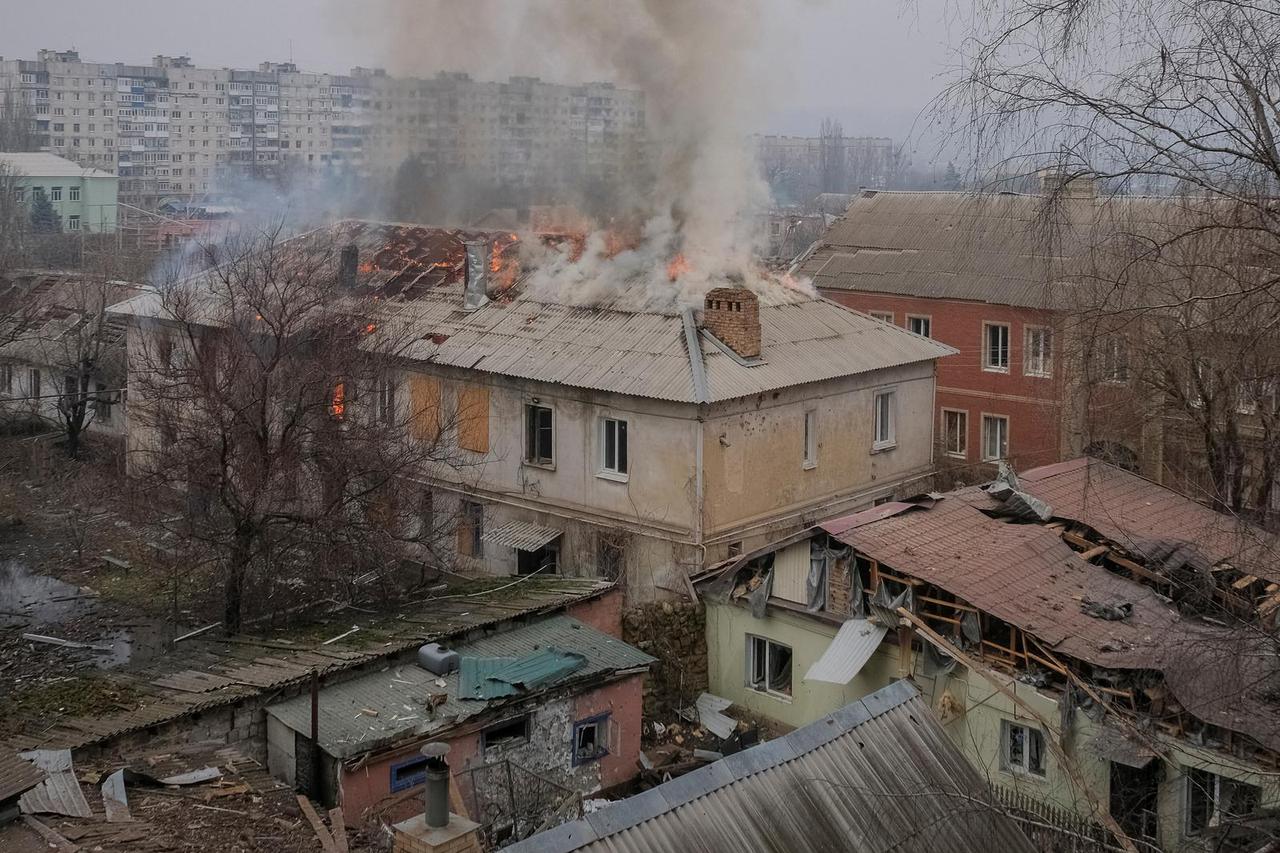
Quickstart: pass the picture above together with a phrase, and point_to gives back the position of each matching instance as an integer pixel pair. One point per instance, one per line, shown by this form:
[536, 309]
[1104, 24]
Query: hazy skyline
[873, 66]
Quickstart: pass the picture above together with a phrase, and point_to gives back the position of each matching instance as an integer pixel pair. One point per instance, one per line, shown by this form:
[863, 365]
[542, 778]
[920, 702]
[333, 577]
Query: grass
[77, 696]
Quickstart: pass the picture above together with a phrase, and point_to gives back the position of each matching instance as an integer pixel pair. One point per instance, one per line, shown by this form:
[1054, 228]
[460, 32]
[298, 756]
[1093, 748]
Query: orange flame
[338, 401]
[678, 266]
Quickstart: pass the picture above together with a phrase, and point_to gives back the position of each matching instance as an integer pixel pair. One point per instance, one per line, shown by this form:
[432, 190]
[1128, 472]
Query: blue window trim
[602, 743]
[402, 782]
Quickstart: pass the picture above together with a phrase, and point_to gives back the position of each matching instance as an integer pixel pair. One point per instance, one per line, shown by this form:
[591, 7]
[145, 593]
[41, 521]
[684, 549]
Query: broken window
[385, 401]
[1038, 352]
[810, 439]
[542, 561]
[922, 326]
[1023, 749]
[995, 437]
[539, 438]
[613, 444]
[505, 733]
[995, 347]
[955, 432]
[884, 404]
[768, 666]
[471, 530]
[102, 403]
[590, 739]
[1213, 800]
[408, 774]
[883, 316]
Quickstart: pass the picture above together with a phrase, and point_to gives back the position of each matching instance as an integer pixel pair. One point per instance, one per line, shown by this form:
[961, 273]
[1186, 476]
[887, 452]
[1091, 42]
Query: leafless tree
[267, 390]
[13, 219]
[17, 128]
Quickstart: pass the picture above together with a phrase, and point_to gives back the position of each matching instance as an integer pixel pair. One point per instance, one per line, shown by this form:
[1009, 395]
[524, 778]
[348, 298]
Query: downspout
[701, 396]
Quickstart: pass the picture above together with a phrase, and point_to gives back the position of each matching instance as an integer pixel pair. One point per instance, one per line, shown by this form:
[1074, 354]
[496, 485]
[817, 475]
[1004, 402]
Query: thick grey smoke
[707, 75]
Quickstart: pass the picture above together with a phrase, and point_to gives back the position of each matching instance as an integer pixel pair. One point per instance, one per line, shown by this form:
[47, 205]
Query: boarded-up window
[424, 397]
[473, 419]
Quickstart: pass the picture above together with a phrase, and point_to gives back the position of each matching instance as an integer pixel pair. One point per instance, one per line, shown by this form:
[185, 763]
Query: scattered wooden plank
[1266, 607]
[1095, 551]
[326, 840]
[52, 838]
[339, 827]
[1243, 582]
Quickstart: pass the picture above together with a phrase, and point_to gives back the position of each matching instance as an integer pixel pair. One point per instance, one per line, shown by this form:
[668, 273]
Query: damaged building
[1091, 641]
[621, 442]
[534, 716]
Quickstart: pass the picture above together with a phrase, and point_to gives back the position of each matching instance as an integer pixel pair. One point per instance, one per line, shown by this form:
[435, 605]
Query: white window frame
[990, 416]
[528, 458]
[1044, 369]
[385, 401]
[987, 352]
[916, 319]
[890, 433]
[1115, 360]
[963, 452]
[761, 685]
[619, 473]
[1215, 815]
[810, 439]
[1022, 766]
[883, 316]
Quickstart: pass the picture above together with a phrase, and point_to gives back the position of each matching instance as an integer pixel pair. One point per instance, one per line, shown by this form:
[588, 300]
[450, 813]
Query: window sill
[884, 448]
[544, 466]
[615, 476]
[772, 694]
[809, 466]
[1024, 775]
[986, 368]
[1033, 375]
[951, 455]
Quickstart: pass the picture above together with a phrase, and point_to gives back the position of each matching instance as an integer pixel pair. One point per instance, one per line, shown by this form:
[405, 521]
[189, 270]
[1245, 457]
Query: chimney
[732, 314]
[437, 830]
[348, 267]
[476, 287]
[1057, 181]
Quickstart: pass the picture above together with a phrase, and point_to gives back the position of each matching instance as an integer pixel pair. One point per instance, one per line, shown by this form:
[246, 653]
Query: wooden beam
[338, 825]
[1269, 605]
[1136, 570]
[322, 833]
[1095, 551]
[1243, 582]
[1100, 812]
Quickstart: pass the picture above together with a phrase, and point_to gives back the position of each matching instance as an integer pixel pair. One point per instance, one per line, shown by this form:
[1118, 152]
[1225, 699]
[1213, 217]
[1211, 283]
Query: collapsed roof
[605, 346]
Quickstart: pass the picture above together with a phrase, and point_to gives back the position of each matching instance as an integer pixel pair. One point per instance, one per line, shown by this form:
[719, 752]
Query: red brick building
[971, 271]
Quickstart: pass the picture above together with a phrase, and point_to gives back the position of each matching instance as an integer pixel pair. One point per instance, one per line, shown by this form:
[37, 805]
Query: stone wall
[674, 632]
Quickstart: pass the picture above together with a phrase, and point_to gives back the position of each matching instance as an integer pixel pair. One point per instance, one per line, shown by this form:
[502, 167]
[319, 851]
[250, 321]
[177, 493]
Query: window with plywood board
[424, 398]
[473, 419]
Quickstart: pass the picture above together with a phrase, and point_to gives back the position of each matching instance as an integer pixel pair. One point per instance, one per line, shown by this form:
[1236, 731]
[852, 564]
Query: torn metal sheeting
[194, 777]
[521, 535]
[850, 649]
[60, 792]
[1111, 744]
[710, 716]
[115, 802]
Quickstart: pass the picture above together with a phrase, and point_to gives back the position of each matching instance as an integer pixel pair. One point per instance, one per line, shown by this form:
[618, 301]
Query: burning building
[634, 432]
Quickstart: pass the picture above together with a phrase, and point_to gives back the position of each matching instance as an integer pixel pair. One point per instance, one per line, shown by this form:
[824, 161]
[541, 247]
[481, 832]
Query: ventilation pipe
[475, 292]
[437, 793]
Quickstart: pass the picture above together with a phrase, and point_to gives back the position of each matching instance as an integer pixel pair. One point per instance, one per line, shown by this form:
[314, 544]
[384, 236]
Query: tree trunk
[233, 587]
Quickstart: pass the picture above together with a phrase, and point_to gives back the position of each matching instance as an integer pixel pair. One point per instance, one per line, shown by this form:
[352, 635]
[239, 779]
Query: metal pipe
[315, 734]
[437, 787]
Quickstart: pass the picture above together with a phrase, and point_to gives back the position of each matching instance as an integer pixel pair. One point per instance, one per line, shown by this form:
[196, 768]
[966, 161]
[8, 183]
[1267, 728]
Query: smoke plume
[708, 78]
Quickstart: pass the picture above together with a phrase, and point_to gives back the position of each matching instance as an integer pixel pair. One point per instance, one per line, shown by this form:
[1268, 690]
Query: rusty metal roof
[17, 775]
[1129, 509]
[879, 774]
[60, 792]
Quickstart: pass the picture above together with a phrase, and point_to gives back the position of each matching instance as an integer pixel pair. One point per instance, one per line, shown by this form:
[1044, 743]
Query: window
[505, 734]
[471, 530]
[73, 194]
[613, 444]
[884, 405]
[55, 193]
[886, 316]
[955, 433]
[385, 401]
[409, 773]
[33, 383]
[1022, 749]
[920, 325]
[590, 739]
[995, 437]
[611, 555]
[811, 439]
[337, 401]
[542, 561]
[6, 378]
[995, 347]
[73, 222]
[1115, 359]
[1038, 353]
[539, 436]
[768, 666]
[1213, 800]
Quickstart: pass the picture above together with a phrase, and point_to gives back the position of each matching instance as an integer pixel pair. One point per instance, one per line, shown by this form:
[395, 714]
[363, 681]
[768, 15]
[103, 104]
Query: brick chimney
[732, 314]
[437, 830]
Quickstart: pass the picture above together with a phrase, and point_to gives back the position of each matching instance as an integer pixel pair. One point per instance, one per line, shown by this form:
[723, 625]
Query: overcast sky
[873, 64]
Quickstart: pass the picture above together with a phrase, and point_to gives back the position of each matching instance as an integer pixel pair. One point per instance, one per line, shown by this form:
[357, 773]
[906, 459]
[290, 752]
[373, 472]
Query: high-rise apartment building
[174, 131]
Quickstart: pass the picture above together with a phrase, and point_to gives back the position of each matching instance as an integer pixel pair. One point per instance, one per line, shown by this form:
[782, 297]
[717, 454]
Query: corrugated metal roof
[40, 165]
[538, 669]
[400, 696]
[17, 775]
[879, 774]
[474, 681]
[521, 535]
[850, 649]
[60, 792]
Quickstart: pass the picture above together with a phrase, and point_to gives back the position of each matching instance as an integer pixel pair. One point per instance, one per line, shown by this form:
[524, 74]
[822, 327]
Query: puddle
[43, 603]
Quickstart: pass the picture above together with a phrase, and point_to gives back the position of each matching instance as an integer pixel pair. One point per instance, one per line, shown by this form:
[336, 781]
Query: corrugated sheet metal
[400, 695]
[474, 681]
[521, 535]
[60, 792]
[540, 668]
[17, 775]
[850, 649]
[790, 571]
[880, 774]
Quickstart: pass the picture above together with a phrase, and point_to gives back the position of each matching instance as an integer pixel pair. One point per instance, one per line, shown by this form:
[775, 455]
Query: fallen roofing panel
[17, 775]
[850, 649]
[474, 681]
[539, 669]
[521, 535]
[712, 717]
[59, 793]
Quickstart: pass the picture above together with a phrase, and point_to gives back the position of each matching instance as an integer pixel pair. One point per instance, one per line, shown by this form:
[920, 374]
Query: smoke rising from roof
[707, 77]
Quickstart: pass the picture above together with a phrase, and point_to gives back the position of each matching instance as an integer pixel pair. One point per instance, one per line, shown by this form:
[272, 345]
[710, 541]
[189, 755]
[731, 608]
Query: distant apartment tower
[797, 167]
[174, 131]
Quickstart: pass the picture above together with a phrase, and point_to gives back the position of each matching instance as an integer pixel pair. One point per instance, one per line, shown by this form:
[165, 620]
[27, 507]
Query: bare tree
[269, 392]
[14, 219]
[17, 122]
